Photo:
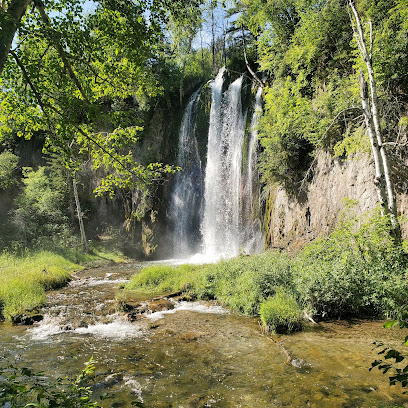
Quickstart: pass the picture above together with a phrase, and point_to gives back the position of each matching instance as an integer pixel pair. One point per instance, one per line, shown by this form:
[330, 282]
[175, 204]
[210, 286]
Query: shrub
[356, 270]
[8, 167]
[281, 313]
[41, 206]
[22, 387]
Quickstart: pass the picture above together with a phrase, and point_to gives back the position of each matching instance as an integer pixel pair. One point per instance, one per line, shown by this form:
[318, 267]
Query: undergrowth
[23, 387]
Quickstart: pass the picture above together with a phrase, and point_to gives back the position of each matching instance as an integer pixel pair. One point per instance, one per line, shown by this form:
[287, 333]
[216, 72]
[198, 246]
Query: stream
[199, 354]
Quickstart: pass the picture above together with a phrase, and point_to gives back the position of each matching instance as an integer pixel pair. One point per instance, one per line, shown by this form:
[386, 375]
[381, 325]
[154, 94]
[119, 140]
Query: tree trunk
[391, 203]
[379, 181]
[10, 18]
[251, 71]
[80, 218]
[213, 38]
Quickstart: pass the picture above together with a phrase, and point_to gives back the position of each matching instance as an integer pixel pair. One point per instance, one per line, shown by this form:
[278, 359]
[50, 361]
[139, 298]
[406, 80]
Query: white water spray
[185, 207]
[253, 239]
[221, 223]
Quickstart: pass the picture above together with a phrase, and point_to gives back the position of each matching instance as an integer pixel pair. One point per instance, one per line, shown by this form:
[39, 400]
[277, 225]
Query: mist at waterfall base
[213, 211]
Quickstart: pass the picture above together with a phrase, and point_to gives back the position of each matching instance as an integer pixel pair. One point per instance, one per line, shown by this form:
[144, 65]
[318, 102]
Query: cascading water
[186, 198]
[253, 237]
[253, 141]
[216, 214]
[221, 227]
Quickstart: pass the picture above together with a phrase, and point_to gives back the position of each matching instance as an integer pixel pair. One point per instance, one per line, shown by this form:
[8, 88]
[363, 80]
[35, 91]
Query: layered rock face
[294, 221]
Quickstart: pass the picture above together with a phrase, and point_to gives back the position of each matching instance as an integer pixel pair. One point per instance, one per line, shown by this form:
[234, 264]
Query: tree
[74, 75]
[11, 13]
[383, 180]
[86, 81]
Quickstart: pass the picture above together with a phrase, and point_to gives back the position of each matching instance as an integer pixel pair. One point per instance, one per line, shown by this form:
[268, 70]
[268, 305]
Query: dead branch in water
[170, 295]
[277, 343]
[284, 351]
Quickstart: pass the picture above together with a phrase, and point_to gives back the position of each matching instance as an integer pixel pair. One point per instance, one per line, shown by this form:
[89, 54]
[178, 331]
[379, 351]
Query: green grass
[157, 279]
[241, 283]
[281, 313]
[25, 277]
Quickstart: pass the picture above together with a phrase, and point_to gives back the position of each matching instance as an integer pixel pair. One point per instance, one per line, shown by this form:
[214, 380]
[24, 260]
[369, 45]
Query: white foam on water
[96, 282]
[197, 307]
[115, 330]
[48, 327]
[134, 386]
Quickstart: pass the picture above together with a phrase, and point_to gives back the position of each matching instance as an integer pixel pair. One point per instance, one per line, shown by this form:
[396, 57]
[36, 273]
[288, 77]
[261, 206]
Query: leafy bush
[8, 167]
[281, 313]
[22, 387]
[356, 270]
[40, 207]
[393, 361]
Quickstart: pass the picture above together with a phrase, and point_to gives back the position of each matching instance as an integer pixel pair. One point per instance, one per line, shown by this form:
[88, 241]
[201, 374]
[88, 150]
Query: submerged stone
[27, 320]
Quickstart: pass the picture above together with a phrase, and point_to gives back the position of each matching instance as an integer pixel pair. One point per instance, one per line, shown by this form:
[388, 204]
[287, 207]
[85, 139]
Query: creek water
[199, 354]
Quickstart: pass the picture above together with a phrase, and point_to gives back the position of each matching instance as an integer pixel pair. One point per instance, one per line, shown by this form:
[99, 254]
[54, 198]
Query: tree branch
[11, 17]
[60, 49]
[60, 113]
[252, 72]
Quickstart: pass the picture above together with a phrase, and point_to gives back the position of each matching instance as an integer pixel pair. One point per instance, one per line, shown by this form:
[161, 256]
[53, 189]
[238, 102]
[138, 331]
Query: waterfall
[221, 227]
[253, 237]
[186, 197]
[253, 142]
[215, 213]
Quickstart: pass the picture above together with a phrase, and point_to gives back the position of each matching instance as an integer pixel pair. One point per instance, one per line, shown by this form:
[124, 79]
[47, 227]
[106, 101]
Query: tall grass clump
[244, 282]
[241, 283]
[24, 279]
[164, 278]
[281, 313]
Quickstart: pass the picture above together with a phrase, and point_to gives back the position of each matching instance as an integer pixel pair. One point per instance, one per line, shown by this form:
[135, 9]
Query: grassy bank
[357, 271]
[26, 276]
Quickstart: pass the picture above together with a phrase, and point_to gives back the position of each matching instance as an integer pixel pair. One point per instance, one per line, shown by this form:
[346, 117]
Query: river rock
[129, 306]
[27, 320]
[161, 305]
[190, 336]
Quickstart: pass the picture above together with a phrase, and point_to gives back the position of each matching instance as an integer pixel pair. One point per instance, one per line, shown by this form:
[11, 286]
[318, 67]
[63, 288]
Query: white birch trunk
[379, 181]
[80, 218]
[391, 203]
